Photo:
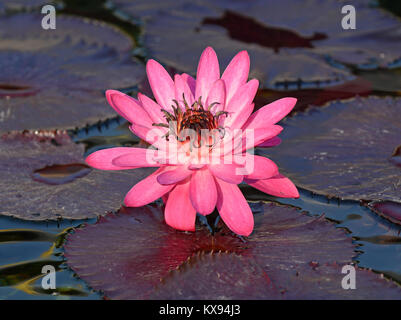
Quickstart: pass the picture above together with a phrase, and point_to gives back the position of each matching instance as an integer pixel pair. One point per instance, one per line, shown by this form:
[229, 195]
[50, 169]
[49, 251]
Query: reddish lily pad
[345, 150]
[134, 255]
[287, 41]
[44, 177]
[388, 210]
[56, 79]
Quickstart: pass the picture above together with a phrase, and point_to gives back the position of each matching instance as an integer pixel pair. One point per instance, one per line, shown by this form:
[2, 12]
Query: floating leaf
[346, 150]
[44, 177]
[287, 41]
[134, 255]
[24, 32]
[56, 79]
[316, 96]
[12, 5]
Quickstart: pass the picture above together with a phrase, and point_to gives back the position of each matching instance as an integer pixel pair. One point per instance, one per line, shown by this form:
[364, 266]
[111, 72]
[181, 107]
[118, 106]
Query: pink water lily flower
[202, 133]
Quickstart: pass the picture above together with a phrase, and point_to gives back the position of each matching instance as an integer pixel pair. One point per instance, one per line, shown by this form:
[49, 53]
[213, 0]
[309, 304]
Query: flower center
[195, 124]
[197, 120]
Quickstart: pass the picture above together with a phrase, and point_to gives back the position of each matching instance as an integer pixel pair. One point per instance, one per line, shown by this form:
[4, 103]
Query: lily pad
[44, 177]
[24, 32]
[56, 79]
[134, 255]
[315, 96]
[288, 41]
[345, 150]
[13, 5]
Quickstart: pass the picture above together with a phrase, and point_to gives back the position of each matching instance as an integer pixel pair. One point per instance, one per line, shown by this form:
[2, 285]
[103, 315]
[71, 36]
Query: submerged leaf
[44, 177]
[134, 255]
[55, 79]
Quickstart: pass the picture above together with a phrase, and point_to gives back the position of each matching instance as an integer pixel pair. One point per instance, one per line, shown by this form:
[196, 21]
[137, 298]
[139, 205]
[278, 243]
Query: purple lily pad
[396, 156]
[56, 79]
[134, 255]
[287, 41]
[316, 96]
[12, 5]
[44, 177]
[345, 150]
[23, 32]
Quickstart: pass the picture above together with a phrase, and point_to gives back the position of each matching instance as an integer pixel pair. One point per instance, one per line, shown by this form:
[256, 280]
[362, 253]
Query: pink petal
[227, 172]
[253, 137]
[263, 168]
[236, 74]
[182, 88]
[239, 105]
[233, 208]
[203, 192]
[139, 157]
[140, 131]
[217, 94]
[271, 113]
[147, 190]
[279, 186]
[127, 107]
[169, 154]
[196, 166]
[152, 108]
[152, 135]
[103, 159]
[270, 143]
[239, 140]
[179, 212]
[190, 81]
[241, 118]
[208, 72]
[174, 176]
[161, 83]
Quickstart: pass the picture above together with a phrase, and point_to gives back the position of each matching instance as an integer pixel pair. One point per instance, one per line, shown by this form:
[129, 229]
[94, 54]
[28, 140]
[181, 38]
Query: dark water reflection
[25, 247]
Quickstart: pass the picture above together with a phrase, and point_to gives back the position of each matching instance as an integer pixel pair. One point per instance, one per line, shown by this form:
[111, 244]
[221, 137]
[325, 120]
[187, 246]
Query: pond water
[25, 247]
